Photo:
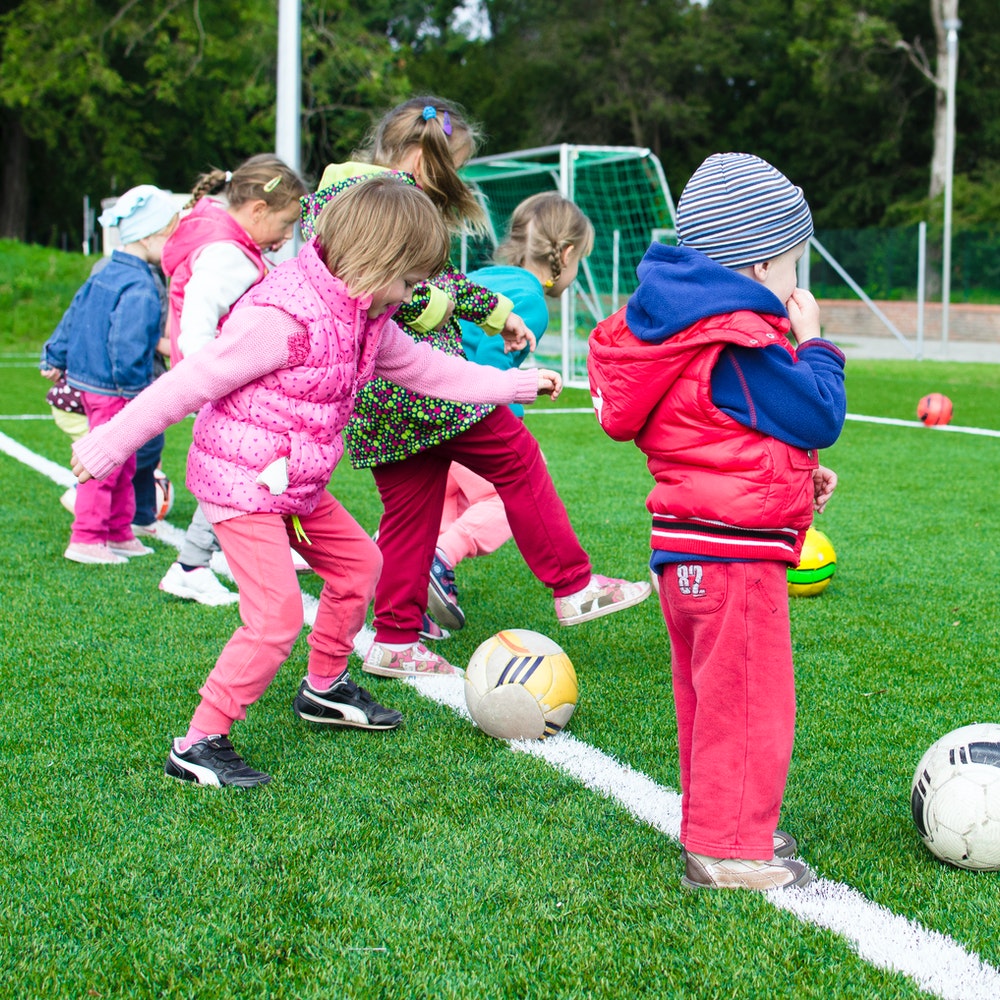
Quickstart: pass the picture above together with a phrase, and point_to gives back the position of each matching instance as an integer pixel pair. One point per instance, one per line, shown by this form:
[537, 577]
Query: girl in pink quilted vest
[215, 255]
[274, 391]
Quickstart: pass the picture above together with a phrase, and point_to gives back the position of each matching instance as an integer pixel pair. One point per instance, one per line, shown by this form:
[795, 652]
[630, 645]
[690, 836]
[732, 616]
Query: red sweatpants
[734, 694]
[258, 550]
[501, 450]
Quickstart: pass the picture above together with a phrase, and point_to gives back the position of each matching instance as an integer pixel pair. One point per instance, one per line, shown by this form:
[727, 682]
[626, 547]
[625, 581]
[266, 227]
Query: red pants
[734, 693]
[501, 450]
[104, 507]
[258, 550]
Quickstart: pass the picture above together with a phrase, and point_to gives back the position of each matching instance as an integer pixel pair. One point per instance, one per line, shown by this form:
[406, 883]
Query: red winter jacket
[722, 489]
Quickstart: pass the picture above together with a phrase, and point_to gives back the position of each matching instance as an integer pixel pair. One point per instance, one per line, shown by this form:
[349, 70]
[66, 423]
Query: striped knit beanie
[739, 210]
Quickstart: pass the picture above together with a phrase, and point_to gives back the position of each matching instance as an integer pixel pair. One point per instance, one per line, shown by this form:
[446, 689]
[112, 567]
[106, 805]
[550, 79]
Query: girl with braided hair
[409, 441]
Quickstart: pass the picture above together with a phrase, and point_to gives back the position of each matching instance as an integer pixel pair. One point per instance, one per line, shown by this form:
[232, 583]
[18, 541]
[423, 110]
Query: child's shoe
[212, 761]
[344, 704]
[130, 549]
[199, 584]
[68, 500]
[100, 553]
[144, 530]
[431, 630]
[785, 845]
[703, 872]
[414, 661]
[442, 595]
[602, 596]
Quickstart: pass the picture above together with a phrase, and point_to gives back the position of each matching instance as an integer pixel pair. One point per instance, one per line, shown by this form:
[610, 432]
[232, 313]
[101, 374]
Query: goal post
[624, 193]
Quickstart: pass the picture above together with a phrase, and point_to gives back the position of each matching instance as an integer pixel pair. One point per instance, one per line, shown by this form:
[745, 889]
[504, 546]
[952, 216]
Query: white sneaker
[132, 548]
[199, 584]
[602, 596]
[97, 554]
[144, 530]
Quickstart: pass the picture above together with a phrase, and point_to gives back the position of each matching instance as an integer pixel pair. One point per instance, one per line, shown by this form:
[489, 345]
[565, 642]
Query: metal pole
[921, 285]
[951, 26]
[288, 143]
[288, 111]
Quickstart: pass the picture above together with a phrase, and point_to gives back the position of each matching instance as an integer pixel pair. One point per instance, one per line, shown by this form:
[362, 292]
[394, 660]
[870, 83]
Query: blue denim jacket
[106, 340]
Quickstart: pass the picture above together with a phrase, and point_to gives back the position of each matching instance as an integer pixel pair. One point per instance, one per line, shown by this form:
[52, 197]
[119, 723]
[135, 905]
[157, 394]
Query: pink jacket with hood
[208, 222]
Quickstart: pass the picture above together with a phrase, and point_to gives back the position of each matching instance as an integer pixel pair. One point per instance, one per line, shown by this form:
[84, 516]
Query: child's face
[780, 275]
[272, 228]
[394, 294]
[154, 244]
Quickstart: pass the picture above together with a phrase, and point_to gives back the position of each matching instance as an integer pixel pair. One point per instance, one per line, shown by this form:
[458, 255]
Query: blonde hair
[541, 227]
[439, 129]
[263, 177]
[379, 230]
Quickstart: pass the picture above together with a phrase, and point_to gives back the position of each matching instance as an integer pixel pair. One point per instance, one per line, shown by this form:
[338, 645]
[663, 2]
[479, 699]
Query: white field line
[935, 962]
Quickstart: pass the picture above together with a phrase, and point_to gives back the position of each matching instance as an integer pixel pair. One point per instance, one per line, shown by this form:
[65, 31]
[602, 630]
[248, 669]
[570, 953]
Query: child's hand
[52, 374]
[824, 483]
[79, 471]
[803, 311]
[516, 335]
[549, 383]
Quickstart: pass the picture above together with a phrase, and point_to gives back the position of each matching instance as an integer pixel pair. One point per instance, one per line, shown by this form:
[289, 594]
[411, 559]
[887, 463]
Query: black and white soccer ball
[955, 797]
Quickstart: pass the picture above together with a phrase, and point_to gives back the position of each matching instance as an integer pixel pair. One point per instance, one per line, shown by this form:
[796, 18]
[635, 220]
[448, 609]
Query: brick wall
[844, 318]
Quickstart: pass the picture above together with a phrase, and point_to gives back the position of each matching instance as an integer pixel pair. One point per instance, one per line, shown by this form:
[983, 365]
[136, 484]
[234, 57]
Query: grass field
[436, 862]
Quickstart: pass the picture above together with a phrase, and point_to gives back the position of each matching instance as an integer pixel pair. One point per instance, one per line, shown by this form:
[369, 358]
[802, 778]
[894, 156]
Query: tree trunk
[941, 11]
[14, 190]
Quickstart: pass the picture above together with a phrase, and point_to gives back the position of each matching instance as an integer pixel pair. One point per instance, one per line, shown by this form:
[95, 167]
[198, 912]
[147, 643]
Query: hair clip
[272, 184]
[229, 176]
[446, 123]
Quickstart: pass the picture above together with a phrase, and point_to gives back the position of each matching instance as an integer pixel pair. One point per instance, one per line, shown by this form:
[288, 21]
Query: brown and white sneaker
[703, 872]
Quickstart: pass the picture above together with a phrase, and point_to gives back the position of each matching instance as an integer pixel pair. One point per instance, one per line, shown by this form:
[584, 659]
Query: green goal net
[623, 191]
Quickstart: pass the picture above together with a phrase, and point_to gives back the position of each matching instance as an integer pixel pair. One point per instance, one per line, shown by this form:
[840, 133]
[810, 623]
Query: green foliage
[36, 287]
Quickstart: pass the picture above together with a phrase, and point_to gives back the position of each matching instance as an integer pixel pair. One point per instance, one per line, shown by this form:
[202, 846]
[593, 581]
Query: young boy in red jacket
[716, 369]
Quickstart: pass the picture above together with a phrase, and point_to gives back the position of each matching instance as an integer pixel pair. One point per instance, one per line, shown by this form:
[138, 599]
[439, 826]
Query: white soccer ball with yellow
[520, 685]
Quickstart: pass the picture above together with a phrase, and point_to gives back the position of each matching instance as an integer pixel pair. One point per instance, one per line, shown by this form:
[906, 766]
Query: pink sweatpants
[474, 522]
[734, 694]
[258, 550]
[501, 450]
[104, 507]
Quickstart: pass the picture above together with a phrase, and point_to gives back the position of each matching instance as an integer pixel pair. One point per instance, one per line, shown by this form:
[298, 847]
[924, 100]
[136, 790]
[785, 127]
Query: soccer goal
[623, 191]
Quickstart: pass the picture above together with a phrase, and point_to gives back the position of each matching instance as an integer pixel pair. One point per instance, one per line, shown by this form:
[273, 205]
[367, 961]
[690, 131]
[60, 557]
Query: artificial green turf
[433, 861]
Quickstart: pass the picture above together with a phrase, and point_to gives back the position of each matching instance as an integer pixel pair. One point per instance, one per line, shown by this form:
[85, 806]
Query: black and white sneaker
[212, 761]
[345, 704]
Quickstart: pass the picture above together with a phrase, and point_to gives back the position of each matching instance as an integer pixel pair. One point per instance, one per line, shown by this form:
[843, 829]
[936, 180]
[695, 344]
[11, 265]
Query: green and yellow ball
[817, 564]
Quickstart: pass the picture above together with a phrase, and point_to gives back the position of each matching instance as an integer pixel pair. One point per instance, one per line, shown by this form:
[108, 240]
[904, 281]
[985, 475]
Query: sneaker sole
[390, 672]
[348, 721]
[445, 613]
[608, 609]
[90, 561]
[190, 595]
[803, 880]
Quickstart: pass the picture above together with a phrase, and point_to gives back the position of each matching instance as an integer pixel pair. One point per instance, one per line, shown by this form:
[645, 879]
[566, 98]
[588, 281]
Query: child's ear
[760, 271]
[567, 255]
